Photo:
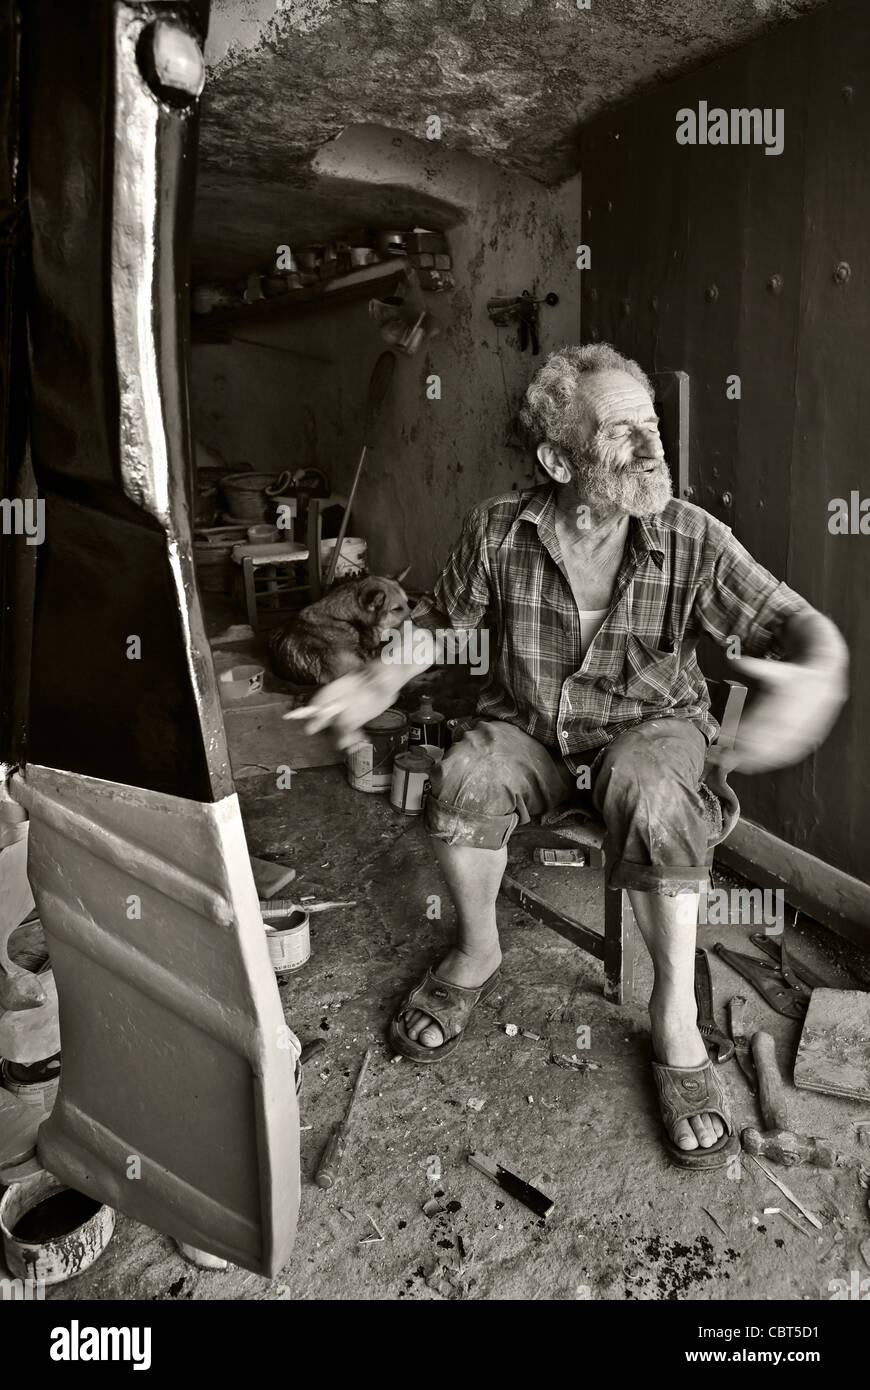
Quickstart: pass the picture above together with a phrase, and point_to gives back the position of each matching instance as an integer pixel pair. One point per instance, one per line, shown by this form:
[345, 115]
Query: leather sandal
[448, 1005]
[687, 1091]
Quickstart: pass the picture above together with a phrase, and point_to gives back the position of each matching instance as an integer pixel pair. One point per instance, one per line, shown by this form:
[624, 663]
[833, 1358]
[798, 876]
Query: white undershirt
[591, 620]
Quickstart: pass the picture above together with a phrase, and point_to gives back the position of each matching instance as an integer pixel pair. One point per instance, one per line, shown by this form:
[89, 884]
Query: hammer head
[782, 1146]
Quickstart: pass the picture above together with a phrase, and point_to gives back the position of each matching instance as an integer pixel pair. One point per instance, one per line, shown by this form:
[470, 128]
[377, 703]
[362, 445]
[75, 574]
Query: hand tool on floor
[531, 1197]
[799, 977]
[328, 1167]
[379, 385]
[778, 1142]
[768, 980]
[742, 1047]
[787, 1192]
[707, 1026]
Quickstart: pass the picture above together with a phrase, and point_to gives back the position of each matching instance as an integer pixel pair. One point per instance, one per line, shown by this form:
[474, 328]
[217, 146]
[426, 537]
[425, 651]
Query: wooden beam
[823, 892]
[575, 932]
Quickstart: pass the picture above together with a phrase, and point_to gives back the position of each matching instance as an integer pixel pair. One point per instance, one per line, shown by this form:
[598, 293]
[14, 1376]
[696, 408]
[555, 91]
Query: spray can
[426, 725]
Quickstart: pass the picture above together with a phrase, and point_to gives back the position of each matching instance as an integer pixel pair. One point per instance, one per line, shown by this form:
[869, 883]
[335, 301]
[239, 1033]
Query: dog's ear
[373, 595]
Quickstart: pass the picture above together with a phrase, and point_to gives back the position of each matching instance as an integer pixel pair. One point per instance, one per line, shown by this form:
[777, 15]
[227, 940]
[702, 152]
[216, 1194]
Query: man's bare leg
[668, 926]
[473, 877]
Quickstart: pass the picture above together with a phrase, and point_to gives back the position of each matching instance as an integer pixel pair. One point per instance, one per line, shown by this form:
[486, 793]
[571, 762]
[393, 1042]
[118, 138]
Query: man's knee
[474, 777]
[653, 780]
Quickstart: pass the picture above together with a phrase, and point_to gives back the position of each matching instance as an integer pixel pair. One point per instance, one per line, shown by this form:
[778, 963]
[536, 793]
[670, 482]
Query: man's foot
[458, 968]
[683, 1046]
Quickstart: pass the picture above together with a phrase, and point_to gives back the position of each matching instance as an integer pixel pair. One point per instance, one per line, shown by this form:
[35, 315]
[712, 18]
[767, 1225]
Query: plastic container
[410, 783]
[353, 560]
[370, 762]
[239, 682]
[426, 725]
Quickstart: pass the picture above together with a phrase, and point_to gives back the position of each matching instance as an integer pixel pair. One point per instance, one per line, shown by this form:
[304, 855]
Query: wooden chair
[619, 946]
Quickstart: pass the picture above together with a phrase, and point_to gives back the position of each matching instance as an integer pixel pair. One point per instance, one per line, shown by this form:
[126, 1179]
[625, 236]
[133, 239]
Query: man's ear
[553, 463]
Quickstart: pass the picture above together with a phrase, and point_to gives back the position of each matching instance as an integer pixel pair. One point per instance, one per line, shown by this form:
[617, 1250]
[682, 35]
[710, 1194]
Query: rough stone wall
[434, 458]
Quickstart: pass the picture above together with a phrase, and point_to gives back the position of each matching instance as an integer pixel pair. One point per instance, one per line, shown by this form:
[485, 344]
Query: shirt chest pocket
[648, 674]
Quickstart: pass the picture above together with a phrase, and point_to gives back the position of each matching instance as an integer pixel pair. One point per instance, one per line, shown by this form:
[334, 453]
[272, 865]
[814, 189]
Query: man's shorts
[646, 785]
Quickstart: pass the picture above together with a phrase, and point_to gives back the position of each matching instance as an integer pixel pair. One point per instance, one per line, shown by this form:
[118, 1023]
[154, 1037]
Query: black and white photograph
[434, 767]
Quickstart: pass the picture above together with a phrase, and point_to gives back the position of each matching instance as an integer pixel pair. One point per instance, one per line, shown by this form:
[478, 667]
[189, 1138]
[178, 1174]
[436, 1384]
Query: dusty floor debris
[626, 1225]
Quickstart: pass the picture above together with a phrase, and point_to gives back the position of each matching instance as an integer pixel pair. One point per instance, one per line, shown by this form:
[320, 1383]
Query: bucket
[370, 762]
[352, 561]
[411, 771]
[246, 496]
[36, 1085]
[290, 943]
[51, 1232]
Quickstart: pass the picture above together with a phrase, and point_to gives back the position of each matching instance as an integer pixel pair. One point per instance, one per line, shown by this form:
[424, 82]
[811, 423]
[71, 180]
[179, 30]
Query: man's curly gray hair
[549, 410]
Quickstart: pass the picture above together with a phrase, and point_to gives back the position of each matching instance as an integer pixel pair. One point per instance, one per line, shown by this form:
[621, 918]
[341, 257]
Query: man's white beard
[638, 494]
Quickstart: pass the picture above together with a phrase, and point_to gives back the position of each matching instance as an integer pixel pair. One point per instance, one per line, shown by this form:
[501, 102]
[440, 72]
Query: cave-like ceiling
[510, 80]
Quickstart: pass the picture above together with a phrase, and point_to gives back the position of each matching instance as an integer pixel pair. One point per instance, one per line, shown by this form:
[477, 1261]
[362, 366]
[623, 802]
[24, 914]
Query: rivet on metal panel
[775, 284]
[171, 62]
[843, 273]
[711, 293]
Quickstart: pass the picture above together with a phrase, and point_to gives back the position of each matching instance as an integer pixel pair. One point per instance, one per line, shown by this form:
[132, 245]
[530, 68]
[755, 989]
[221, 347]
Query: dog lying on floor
[339, 633]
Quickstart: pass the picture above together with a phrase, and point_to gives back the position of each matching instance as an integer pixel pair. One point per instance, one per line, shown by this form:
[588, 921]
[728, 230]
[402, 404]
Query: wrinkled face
[618, 460]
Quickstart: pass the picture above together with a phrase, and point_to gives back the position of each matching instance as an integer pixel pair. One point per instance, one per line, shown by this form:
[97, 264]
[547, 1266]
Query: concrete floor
[626, 1225]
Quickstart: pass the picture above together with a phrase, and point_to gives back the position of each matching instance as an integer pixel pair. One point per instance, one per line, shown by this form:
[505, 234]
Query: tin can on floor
[411, 772]
[289, 943]
[370, 762]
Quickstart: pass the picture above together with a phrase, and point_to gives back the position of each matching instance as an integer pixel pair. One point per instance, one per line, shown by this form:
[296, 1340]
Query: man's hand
[792, 712]
[348, 703]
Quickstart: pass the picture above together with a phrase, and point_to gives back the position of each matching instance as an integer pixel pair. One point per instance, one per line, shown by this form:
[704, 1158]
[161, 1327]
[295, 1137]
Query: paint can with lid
[411, 773]
[370, 762]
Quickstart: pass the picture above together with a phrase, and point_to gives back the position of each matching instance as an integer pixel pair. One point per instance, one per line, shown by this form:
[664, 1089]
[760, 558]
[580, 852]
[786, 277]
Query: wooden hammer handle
[771, 1095]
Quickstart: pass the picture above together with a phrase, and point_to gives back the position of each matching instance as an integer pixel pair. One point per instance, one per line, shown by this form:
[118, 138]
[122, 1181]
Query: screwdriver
[334, 1152]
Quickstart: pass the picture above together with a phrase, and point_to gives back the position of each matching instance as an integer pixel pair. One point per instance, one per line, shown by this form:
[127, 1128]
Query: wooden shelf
[358, 284]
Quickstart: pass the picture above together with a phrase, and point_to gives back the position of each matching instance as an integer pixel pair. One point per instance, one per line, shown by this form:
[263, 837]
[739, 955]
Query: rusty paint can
[411, 773]
[51, 1232]
[290, 943]
[370, 762]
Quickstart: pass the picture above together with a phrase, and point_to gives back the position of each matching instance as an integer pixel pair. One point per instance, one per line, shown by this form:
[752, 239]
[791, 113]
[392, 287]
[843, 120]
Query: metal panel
[170, 1020]
[177, 1103]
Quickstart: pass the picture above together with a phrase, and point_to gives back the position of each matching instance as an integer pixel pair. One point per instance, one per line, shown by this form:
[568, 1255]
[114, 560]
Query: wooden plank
[575, 932]
[817, 888]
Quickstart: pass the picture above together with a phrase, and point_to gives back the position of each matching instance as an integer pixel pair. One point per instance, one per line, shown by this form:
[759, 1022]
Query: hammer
[778, 1142]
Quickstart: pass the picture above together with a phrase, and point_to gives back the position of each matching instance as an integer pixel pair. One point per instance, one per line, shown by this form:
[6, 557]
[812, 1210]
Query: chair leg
[620, 948]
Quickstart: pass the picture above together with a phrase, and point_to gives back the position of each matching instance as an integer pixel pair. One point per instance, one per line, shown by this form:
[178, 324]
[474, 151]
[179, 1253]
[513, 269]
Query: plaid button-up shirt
[682, 574]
